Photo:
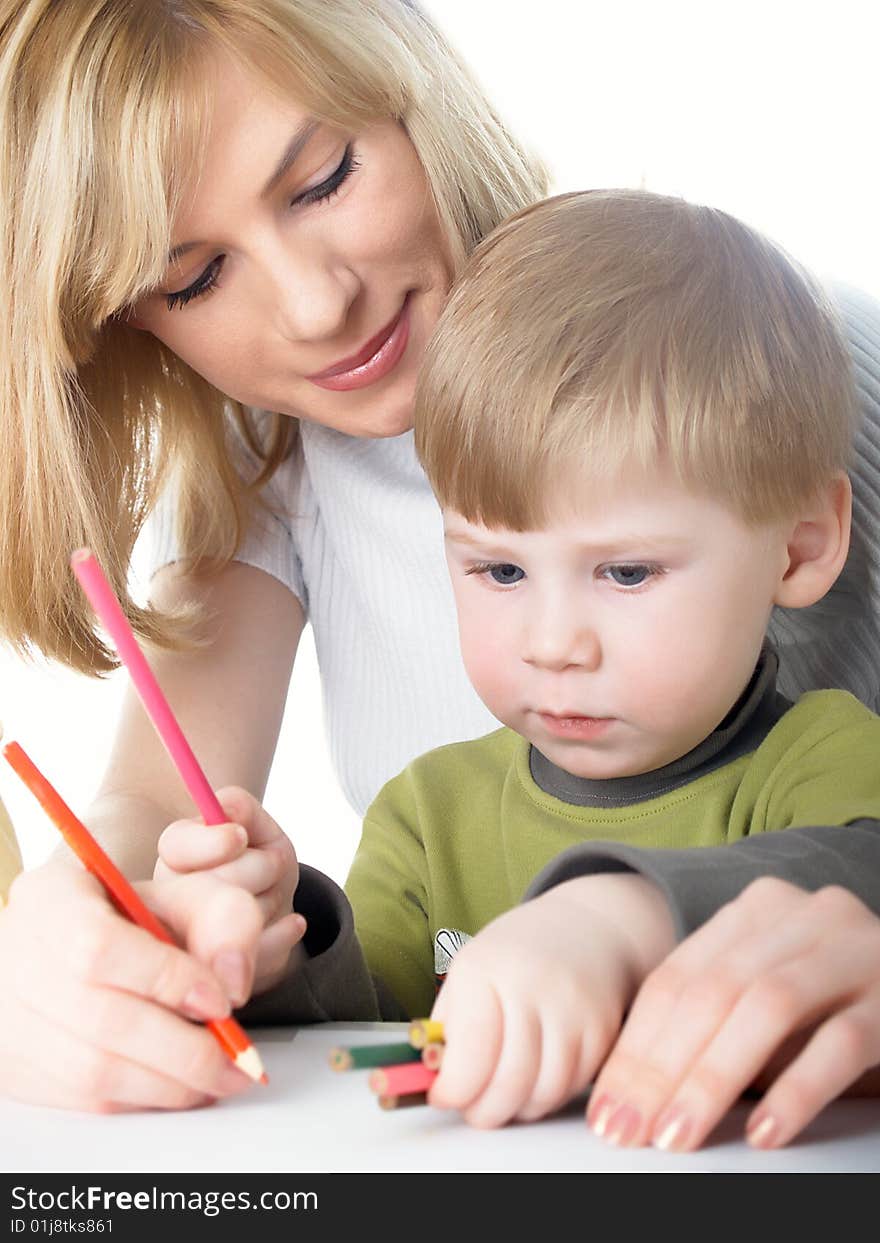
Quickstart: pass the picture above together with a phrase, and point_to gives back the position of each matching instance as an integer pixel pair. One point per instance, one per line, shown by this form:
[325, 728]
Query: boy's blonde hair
[602, 329]
[103, 108]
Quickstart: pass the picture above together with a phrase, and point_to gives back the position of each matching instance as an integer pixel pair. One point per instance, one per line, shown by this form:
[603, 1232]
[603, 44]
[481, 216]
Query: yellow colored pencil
[425, 1031]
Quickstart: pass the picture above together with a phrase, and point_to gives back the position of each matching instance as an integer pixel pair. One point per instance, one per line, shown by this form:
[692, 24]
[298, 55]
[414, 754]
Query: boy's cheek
[490, 670]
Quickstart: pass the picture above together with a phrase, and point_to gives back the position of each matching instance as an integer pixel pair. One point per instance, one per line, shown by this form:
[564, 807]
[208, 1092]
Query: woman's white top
[361, 546]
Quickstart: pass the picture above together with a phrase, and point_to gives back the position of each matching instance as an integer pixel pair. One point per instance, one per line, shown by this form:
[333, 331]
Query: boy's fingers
[186, 846]
[557, 1079]
[467, 1062]
[281, 937]
[515, 1072]
[255, 870]
[243, 808]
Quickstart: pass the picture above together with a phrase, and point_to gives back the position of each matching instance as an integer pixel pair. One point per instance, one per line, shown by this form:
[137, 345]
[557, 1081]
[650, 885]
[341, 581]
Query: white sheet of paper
[311, 1119]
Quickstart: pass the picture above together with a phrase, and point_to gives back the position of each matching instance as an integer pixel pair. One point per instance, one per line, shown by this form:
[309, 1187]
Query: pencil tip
[80, 554]
[249, 1061]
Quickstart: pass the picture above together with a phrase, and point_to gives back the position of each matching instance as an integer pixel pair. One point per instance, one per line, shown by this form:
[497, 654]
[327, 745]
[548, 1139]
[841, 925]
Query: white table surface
[312, 1120]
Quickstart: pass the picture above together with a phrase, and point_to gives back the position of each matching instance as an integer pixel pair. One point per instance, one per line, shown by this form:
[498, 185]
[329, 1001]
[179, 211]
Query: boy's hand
[775, 964]
[253, 853]
[96, 1010]
[533, 1003]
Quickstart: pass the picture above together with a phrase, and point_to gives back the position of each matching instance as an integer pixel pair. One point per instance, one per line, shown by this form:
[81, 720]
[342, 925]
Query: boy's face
[620, 635]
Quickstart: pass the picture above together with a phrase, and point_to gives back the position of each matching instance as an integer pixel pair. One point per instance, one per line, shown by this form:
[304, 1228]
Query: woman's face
[306, 285]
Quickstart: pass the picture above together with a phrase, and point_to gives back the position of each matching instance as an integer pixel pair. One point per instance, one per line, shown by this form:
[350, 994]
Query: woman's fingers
[69, 1073]
[836, 1055]
[709, 1019]
[136, 1053]
[219, 924]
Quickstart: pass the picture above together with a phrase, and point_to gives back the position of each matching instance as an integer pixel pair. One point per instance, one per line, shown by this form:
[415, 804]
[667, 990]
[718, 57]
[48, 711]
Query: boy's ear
[817, 546]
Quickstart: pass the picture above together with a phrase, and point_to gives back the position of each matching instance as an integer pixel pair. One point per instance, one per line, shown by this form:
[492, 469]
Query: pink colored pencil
[104, 602]
[402, 1080]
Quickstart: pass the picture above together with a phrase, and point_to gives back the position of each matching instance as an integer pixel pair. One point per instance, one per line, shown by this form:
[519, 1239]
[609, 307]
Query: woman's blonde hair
[602, 329]
[103, 107]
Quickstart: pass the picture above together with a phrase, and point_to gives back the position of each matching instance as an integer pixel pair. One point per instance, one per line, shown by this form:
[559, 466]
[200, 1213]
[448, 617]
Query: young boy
[636, 415]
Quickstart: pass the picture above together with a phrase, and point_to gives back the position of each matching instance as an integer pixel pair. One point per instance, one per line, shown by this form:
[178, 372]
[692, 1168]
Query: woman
[230, 229]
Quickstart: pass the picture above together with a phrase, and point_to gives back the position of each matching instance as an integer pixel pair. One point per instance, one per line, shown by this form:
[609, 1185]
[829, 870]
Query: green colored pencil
[364, 1056]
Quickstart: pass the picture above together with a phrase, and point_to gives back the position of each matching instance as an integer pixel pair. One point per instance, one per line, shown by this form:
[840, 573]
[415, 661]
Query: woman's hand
[782, 986]
[533, 1003]
[95, 1009]
[253, 853]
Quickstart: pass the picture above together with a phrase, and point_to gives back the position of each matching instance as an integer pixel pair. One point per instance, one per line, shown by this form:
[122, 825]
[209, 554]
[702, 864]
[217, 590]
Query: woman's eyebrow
[291, 154]
[294, 147]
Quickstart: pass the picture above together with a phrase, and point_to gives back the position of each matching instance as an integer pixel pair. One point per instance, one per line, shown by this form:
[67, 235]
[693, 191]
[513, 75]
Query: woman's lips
[380, 355]
[581, 727]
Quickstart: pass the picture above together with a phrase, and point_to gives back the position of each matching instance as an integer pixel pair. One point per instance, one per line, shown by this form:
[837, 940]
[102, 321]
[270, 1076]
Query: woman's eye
[630, 575]
[501, 572]
[207, 279]
[203, 284]
[327, 188]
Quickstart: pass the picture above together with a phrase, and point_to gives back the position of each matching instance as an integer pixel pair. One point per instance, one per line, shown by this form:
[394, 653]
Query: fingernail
[672, 1130]
[231, 968]
[622, 1126]
[762, 1131]
[241, 834]
[203, 1001]
[600, 1113]
[231, 1081]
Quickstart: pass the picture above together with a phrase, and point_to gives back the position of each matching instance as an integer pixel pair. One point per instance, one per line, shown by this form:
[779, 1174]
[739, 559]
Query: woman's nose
[313, 299]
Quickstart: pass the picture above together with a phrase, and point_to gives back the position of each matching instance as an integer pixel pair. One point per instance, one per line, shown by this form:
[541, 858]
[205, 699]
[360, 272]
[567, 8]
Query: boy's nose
[557, 641]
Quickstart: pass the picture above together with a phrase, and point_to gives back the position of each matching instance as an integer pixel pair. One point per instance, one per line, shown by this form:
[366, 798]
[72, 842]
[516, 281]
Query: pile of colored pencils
[401, 1073]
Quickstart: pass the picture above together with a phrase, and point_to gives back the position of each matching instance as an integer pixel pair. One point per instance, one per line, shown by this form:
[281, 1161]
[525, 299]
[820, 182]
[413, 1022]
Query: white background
[767, 110]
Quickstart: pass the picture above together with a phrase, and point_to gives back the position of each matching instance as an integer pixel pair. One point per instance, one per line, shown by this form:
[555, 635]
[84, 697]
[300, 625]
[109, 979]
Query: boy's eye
[630, 575]
[506, 574]
[501, 572]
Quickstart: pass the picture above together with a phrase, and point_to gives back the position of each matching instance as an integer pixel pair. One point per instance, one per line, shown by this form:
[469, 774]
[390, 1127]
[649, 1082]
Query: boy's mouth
[574, 726]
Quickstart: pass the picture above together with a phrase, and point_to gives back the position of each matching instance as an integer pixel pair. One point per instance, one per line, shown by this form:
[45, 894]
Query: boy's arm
[329, 980]
[367, 952]
[699, 882]
[822, 801]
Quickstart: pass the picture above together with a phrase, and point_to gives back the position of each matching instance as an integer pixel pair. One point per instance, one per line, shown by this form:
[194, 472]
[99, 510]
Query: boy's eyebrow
[290, 156]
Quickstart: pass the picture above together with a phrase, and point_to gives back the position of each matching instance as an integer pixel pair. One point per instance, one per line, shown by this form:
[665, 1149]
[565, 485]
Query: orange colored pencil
[232, 1038]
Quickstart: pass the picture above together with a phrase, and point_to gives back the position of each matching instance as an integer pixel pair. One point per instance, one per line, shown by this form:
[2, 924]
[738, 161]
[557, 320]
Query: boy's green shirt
[456, 839]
